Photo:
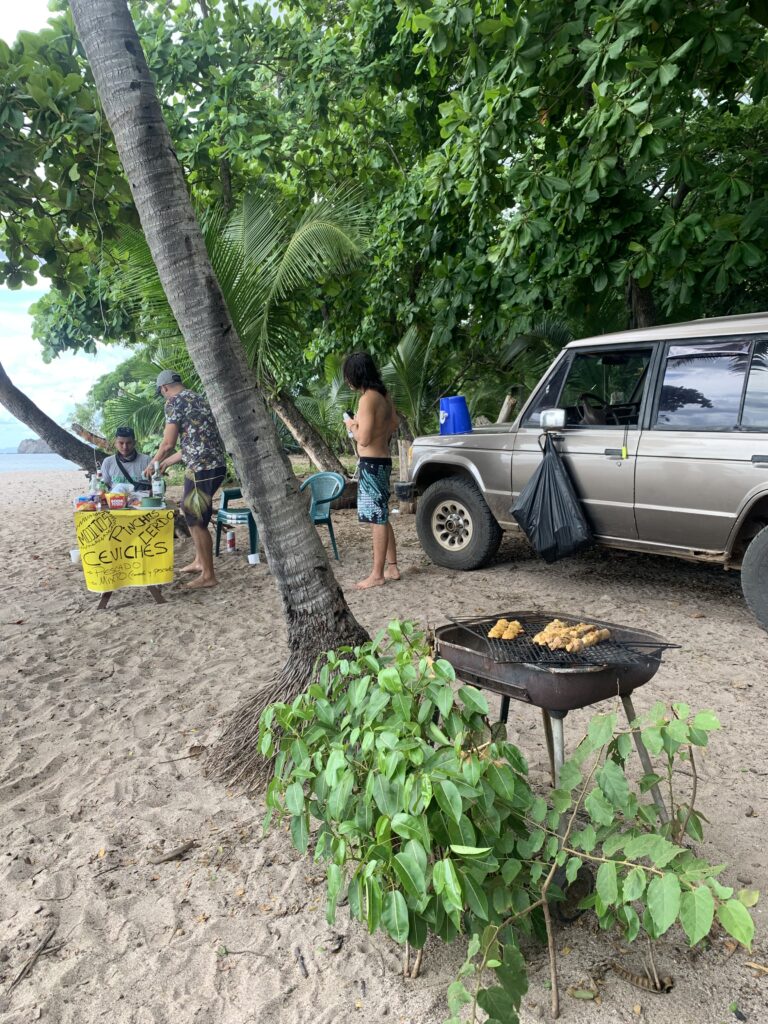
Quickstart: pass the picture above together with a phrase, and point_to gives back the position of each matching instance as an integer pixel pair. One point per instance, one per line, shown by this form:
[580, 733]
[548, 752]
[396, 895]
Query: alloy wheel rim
[452, 525]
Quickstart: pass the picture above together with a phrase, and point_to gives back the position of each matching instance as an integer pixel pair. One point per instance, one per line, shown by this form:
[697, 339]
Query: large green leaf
[697, 909]
[410, 873]
[614, 785]
[736, 920]
[448, 798]
[607, 883]
[394, 915]
[663, 901]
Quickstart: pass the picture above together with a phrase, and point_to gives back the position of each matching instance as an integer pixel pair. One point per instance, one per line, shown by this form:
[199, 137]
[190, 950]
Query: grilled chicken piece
[497, 630]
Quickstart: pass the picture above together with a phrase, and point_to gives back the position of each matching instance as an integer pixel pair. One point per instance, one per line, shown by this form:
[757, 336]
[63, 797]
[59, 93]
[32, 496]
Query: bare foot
[201, 583]
[370, 581]
[192, 567]
[392, 572]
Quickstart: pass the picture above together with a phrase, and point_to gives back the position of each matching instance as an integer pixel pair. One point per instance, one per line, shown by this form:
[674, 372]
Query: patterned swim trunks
[373, 491]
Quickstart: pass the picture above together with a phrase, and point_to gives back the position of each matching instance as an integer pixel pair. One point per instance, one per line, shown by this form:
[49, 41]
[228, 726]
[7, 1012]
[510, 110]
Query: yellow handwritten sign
[125, 548]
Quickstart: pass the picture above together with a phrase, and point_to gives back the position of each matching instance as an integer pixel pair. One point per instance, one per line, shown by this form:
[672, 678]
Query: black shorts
[197, 499]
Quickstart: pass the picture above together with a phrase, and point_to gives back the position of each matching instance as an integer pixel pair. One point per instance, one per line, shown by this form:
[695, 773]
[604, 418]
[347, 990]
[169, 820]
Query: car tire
[754, 577]
[455, 526]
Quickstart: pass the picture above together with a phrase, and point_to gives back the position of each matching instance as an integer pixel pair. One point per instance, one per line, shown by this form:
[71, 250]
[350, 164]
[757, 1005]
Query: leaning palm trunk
[313, 603]
[56, 437]
[304, 434]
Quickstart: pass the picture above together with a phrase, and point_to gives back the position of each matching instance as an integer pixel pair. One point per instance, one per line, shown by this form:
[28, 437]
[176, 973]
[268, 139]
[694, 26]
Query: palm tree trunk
[58, 439]
[305, 434]
[315, 610]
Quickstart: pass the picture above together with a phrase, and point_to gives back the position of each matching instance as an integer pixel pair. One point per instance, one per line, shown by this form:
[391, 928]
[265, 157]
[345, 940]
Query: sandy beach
[104, 716]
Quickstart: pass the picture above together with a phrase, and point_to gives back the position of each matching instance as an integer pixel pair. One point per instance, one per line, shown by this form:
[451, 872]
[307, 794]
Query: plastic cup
[254, 559]
[74, 554]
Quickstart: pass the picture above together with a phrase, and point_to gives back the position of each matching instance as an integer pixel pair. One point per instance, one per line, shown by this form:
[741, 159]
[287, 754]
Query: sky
[58, 386]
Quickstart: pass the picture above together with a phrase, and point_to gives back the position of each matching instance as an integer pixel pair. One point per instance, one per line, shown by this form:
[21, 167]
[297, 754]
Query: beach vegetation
[428, 823]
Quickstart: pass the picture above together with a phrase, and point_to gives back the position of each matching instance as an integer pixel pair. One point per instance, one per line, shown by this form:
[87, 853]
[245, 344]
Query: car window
[547, 395]
[605, 388]
[702, 386]
[755, 414]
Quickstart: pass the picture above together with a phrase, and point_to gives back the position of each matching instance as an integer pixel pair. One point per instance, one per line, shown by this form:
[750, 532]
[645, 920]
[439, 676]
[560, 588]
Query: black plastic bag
[549, 511]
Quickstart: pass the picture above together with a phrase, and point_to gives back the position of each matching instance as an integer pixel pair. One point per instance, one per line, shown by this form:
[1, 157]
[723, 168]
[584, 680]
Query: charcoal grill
[555, 681]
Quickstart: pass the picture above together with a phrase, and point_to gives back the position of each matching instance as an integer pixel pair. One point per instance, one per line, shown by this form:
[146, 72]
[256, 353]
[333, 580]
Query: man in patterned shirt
[189, 421]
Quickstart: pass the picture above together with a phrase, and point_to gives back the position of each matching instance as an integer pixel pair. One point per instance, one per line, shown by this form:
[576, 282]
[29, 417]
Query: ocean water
[34, 464]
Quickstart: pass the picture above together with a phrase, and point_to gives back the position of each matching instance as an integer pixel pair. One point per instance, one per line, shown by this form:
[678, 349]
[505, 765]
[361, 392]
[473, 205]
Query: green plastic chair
[228, 518]
[325, 488]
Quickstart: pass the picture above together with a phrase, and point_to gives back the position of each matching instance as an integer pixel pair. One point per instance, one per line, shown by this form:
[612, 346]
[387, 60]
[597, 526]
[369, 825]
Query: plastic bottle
[158, 484]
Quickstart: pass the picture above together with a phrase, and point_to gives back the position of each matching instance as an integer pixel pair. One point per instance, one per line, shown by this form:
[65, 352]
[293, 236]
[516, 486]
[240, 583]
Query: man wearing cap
[189, 421]
[127, 465]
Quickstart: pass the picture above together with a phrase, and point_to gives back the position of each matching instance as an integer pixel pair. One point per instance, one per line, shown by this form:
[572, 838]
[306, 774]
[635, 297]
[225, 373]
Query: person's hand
[164, 465]
[149, 470]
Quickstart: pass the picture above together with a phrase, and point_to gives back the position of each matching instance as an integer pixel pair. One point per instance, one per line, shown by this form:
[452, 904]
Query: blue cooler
[454, 415]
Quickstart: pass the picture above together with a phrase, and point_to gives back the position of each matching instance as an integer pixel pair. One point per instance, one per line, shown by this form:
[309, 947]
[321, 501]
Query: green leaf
[736, 920]
[474, 895]
[410, 873]
[510, 869]
[601, 729]
[470, 851]
[408, 826]
[473, 700]
[294, 798]
[452, 884]
[570, 776]
[607, 883]
[387, 795]
[502, 781]
[448, 798]
[335, 880]
[394, 915]
[707, 721]
[372, 903]
[697, 909]
[458, 996]
[572, 869]
[599, 809]
[663, 901]
[634, 885]
[659, 850]
[748, 897]
[300, 832]
[613, 783]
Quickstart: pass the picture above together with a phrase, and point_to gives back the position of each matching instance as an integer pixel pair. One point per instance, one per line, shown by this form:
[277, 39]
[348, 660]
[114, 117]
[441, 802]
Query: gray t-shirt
[112, 474]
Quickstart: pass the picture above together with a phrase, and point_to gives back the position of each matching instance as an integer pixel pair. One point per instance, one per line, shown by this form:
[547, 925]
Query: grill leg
[558, 742]
[504, 711]
[629, 710]
[550, 746]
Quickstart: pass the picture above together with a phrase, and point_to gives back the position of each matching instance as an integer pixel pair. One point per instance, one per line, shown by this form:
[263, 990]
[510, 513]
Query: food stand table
[131, 547]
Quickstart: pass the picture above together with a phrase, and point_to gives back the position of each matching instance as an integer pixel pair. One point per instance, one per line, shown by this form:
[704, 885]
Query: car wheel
[455, 526]
[754, 577]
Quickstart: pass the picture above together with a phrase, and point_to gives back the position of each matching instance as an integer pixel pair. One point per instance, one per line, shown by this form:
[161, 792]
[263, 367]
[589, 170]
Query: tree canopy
[599, 162]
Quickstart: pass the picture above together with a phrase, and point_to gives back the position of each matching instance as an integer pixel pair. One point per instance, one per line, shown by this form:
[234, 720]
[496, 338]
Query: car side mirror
[552, 419]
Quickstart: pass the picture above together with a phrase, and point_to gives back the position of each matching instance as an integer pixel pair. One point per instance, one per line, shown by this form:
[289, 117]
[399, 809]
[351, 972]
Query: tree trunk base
[235, 759]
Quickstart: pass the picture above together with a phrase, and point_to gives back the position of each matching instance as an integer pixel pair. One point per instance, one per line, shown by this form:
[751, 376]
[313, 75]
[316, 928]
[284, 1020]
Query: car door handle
[760, 460]
[614, 453]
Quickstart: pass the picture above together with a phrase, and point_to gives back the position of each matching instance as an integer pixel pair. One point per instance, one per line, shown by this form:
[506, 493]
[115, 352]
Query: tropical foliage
[598, 163]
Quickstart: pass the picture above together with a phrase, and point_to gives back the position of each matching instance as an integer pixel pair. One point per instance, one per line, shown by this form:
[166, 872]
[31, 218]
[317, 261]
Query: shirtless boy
[372, 428]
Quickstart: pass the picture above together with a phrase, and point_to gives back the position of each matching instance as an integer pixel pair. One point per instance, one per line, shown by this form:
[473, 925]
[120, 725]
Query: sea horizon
[45, 462]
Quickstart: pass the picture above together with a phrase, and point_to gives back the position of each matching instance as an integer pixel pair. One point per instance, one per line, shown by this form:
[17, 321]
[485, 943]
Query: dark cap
[125, 432]
[166, 377]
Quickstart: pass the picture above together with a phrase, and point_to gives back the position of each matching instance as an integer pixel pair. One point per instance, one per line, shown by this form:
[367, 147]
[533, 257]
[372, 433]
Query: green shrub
[427, 821]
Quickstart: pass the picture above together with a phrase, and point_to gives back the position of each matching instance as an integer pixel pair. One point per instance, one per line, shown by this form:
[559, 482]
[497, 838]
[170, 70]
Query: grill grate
[524, 651]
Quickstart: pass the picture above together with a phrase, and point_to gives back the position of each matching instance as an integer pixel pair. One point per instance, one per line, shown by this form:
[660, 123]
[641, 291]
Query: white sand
[100, 712]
